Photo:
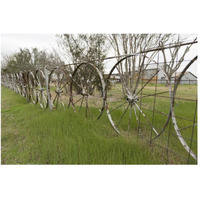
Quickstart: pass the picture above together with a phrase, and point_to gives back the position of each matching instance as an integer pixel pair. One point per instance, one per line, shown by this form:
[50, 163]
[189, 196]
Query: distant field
[30, 135]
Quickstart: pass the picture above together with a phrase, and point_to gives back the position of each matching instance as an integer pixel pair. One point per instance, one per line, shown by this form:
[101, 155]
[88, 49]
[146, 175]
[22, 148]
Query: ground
[31, 135]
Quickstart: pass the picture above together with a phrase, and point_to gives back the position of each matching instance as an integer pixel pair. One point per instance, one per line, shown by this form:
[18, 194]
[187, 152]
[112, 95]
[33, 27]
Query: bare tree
[130, 44]
[175, 57]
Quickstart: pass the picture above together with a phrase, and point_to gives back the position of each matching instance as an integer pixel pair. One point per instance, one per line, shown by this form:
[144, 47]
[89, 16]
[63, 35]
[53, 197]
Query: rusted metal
[86, 90]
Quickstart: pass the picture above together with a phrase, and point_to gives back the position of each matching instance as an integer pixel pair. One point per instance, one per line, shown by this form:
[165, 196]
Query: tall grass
[184, 110]
[31, 135]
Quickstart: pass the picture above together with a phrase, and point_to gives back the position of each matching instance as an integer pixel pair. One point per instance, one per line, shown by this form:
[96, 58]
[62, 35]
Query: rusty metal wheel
[87, 90]
[59, 87]
[130, 103]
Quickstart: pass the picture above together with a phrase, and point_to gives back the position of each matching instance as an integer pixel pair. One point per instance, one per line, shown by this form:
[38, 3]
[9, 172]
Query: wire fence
[139, 100]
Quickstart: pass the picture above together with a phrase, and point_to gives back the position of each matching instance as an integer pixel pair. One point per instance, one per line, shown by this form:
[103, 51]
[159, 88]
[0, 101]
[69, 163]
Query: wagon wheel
[22, 91]
[58, 87]
[32, 84]
[41, 89]
[18, 84]
[87, 90]
[187, 134]
[130, 103]
[23, 83]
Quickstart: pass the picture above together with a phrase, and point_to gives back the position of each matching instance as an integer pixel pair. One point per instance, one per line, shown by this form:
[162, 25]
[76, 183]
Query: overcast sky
[12, 42]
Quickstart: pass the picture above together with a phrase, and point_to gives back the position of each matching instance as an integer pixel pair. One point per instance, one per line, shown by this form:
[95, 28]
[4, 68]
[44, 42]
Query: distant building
[115, 77]
[188, 77]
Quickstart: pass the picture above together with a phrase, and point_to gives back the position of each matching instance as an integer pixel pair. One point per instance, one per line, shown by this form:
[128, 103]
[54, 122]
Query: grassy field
[30, 135]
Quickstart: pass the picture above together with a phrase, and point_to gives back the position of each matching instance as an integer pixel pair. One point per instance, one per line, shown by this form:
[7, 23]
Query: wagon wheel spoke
[115, 85]
[118, 106]
[146, 119]
[81, 104]
[81, 86]
[136, 116]
[93, 100]
[122, 115]
[86, 107]
[129, 119]
[78, 100]
[153, 110]
[55, 84]
[147, 83]
[61, 81]
[63, 86]
[58, 97]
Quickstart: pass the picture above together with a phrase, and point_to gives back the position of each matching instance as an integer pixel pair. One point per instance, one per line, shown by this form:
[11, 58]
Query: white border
[99, 182]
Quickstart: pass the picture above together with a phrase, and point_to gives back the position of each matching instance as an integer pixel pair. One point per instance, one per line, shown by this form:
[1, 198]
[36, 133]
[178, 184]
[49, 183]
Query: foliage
[27, 59]
[85, 48]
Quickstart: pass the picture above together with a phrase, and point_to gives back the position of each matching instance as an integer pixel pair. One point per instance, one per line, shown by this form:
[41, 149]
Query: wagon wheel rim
[21, 84]
[192, 121]
[18, 85]
[15, 83]
[32, 87]
[22, 78]
[41, 89]
[84, 95]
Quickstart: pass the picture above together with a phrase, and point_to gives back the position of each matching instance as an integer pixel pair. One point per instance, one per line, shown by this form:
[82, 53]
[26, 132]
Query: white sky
[12, 42]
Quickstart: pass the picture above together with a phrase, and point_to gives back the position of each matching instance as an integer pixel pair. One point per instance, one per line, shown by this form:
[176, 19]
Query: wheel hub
[84, 93]
[58, 91]
[132, 99]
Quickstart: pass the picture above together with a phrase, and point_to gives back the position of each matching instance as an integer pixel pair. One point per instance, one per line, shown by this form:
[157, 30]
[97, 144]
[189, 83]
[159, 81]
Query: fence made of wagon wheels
[135, 104]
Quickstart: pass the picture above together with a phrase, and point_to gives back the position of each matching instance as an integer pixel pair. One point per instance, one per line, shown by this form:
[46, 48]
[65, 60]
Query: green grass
[30, 135]
[183, 108]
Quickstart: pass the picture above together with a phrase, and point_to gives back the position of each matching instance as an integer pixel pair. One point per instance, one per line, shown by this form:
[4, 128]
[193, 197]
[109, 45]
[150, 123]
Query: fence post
[47, 87]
